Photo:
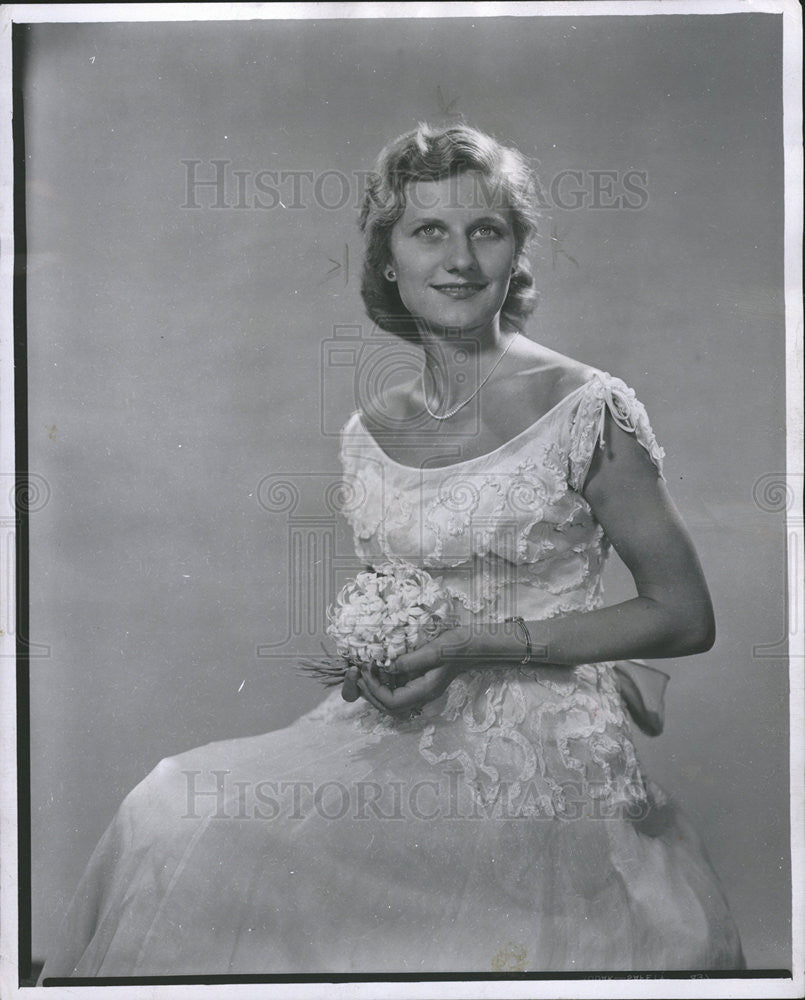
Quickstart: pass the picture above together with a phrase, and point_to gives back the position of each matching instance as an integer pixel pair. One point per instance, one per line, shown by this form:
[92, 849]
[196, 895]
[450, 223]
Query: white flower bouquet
[380, 615]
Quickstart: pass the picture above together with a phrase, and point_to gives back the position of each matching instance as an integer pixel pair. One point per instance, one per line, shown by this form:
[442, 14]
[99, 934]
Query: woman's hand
[409, 698]
[454, 647]
[414, 678]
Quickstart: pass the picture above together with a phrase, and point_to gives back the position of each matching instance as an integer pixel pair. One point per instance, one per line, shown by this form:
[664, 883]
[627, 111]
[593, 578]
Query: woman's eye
[486, 232]
[428, 230]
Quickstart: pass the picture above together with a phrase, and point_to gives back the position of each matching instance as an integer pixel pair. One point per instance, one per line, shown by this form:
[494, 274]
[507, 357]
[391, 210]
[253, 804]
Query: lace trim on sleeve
[608, 393]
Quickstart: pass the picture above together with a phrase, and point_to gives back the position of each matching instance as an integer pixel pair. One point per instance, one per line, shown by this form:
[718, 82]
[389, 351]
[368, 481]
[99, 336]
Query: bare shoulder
[543, 377]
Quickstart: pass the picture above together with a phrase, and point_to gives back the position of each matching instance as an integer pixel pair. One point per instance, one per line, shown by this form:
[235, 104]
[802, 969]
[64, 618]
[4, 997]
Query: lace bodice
[508, 533]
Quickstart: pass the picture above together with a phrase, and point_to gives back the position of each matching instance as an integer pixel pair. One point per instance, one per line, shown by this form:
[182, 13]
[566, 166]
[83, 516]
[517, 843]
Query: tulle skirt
[324, 848]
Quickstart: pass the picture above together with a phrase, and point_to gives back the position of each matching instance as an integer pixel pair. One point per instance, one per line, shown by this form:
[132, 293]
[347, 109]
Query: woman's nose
[460, 256]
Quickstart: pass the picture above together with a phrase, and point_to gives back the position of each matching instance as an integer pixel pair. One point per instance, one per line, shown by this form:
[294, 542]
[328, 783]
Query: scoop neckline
[478, 458]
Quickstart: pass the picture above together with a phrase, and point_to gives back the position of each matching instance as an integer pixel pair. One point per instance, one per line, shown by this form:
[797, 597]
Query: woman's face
[453, 251]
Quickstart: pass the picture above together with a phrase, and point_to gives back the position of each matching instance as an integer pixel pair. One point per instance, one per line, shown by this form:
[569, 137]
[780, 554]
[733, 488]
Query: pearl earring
[389, 273]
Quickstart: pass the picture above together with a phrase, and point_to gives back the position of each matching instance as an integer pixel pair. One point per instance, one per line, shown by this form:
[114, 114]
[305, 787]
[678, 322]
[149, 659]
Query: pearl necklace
[454, 411]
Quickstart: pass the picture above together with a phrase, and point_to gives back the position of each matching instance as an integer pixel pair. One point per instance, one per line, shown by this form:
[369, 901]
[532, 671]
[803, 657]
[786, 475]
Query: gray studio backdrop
[178, 356]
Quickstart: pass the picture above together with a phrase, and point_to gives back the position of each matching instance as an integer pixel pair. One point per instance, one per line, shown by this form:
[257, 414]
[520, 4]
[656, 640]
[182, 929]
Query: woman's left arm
[672, 614]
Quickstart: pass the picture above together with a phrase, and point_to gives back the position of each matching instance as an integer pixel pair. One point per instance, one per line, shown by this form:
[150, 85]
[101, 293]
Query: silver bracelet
[526, 637]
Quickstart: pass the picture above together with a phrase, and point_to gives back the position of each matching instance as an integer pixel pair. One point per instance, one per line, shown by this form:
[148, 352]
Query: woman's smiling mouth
[460, 290]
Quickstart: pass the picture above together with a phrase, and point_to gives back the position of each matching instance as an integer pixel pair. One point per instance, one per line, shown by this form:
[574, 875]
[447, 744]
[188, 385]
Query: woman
[480, 806]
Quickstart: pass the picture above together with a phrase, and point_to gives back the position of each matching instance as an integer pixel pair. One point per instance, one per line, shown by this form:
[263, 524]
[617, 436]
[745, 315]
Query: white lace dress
[508, 827]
